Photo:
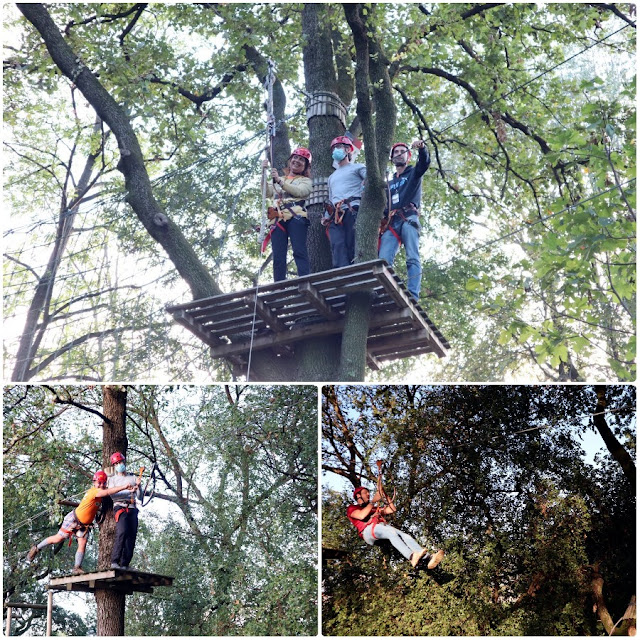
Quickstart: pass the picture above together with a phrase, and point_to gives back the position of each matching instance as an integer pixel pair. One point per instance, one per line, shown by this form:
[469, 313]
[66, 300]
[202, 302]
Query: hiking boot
[435, 559]
[78, 571]
[416, 556]
[33, 552]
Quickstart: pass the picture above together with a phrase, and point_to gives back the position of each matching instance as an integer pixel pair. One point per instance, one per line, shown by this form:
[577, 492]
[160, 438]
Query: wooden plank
[288, 311]
[297, 333]
[187, 322]
[118, 579]
[318, 302]
[269, 318]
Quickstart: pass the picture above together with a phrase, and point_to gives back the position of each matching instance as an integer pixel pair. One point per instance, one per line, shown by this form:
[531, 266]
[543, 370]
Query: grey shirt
[122, 498]
[346, 182]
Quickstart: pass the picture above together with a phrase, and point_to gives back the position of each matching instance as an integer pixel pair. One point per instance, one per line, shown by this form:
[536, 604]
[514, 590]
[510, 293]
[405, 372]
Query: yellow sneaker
[435, 559]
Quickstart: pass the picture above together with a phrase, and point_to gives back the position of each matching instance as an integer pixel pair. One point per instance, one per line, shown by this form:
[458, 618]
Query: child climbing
[78, 521]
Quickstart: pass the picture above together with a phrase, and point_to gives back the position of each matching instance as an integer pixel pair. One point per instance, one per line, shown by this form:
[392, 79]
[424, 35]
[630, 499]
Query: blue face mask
[339, 154]
[120, 467]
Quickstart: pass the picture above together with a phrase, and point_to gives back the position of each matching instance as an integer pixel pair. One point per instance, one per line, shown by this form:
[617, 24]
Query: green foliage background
[528, 210]
[239, 537]
[496, 476]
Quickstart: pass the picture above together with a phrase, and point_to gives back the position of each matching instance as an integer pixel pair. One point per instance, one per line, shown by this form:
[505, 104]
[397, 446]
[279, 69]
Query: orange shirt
[87, 509]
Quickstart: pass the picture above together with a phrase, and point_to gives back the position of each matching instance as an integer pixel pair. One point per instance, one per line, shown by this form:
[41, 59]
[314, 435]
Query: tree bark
[619, 453]
[33, 331]
[111, 604]
[372, 79]
[131, 165]
[597, 583]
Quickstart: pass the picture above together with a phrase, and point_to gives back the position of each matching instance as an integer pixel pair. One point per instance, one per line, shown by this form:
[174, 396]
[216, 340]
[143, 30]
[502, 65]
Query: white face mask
[338, 155]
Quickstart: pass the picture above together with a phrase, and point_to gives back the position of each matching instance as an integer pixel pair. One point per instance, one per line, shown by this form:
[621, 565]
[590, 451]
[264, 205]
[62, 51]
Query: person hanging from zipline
[78, 522]
[125, 511]
[345, 192]
[369, 520]
[287, 216]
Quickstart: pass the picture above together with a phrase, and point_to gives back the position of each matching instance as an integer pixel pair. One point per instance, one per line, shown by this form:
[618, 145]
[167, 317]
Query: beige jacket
[294, 189]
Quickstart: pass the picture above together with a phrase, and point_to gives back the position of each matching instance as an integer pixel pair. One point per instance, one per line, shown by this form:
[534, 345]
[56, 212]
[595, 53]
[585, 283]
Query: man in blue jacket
[401, 224]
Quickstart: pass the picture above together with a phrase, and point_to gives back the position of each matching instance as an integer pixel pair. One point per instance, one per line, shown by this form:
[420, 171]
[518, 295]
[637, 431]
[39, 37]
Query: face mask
[338, 155]
[120, 467]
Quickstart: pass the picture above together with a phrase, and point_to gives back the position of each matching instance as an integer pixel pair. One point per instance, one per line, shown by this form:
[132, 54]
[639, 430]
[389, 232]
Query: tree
[233, 515]
[497, 476]
[514, 123]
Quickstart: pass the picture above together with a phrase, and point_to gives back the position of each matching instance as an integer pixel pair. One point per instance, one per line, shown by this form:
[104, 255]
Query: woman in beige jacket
[287, 216]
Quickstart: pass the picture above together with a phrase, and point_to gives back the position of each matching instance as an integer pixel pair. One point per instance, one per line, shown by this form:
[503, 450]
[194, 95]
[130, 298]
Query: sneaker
[114, 565]
[33, 552]
[78, 571]
[416, 556]
[435, 559]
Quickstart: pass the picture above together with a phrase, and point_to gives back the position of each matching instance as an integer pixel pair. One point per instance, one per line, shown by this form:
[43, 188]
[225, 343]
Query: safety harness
[377, 516]
[79, 529]
[276, 213]
[132, 500]
[402, 213]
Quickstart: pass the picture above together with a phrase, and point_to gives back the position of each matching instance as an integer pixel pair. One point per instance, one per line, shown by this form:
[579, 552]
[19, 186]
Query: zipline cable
[547, 426]
[528, 82]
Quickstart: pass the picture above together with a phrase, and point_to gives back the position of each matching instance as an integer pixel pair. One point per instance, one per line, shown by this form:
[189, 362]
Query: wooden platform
[122, 580]
[292, 310]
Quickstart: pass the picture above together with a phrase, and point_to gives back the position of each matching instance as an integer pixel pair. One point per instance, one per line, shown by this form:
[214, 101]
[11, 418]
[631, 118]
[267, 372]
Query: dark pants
[125, 540]
[296, 230]
[343, 239]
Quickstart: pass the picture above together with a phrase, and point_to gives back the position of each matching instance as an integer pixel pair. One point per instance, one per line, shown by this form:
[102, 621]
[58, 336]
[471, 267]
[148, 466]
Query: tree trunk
[131, 165]
[597, 583]
[34, 331]
[619, 453]
[372, 79]
[111, 604]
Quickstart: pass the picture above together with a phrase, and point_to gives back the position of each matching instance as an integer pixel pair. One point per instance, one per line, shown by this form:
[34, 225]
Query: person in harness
[78, 522]
[400, 225]
[371, 525]
[125, 511]
[345, 191]
[288, 217]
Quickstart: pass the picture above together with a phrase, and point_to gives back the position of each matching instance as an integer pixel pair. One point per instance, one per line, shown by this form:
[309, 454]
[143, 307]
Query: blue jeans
[296, 230]
[403, 542]
[409, 233]
[343, 240]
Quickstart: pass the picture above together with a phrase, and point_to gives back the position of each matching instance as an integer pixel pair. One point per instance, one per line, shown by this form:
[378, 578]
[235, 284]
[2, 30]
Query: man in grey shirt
[345, 190]
[125, 512]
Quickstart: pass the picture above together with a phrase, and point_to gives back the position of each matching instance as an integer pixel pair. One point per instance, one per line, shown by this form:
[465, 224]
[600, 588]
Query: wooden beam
[310, 293]
[186, 321]
[266, 315]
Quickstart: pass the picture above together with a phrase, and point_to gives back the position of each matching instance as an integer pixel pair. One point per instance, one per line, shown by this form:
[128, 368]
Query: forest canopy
[528, 211]
[538, 527]
[232, 517]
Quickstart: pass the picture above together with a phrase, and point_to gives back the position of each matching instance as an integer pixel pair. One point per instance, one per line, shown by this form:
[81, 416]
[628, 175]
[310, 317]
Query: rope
[21, 524]
[271, 132]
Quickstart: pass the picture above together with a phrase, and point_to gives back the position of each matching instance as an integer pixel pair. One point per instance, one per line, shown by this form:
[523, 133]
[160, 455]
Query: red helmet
[356, 492]
[301, 151]
[100, 476]
[342, 140]
[400, 144]
[116, 457]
